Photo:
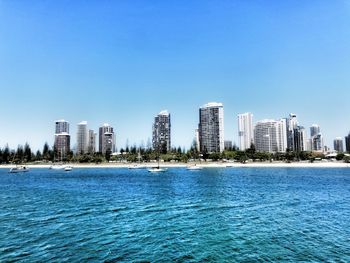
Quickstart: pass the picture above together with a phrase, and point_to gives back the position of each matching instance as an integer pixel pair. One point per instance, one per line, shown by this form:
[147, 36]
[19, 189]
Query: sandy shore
[204, 165]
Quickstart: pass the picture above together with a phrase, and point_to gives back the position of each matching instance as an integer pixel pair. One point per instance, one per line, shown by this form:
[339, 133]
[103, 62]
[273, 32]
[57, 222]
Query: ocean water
[213, 215]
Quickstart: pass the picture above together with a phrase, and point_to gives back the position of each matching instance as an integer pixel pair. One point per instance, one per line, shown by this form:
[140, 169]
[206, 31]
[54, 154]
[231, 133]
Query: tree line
[24, 154]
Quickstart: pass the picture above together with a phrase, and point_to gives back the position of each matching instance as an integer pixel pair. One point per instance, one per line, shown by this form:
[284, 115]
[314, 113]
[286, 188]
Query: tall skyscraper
[62, 140]
[61, 126]
[161, 134]
[82, 138]
[314, 130]
[282, 135]
[270, 136]
[211, 128]
[245, 130]
[106, 139]
[292, 124]
[316, 138]
[338, 145]
[347, 143]
[91, 142]
[296, 135]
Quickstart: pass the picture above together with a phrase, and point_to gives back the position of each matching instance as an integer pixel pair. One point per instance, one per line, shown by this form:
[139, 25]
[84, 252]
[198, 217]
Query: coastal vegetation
[24, 154]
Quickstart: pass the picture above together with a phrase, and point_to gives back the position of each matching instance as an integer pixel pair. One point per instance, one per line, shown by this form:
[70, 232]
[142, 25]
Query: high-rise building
[82, 138]
[292, 124]
[228, 145]
[338, 145]
[347, 143]
[196, 134]
[161, 134]
[245, 130]
[314, 130]
[300, 139]
[106, 139]
[211, 128]
[270, 136]
[296, 135]
[92, 142]
[61, 126]
[316, 138]
[282, 135]
[62, 140]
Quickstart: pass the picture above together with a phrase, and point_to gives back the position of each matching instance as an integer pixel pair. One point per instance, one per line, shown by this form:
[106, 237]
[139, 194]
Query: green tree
[27, 153]
[340, 156]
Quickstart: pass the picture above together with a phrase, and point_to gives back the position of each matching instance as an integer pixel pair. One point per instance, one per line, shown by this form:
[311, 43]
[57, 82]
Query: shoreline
[204, 165]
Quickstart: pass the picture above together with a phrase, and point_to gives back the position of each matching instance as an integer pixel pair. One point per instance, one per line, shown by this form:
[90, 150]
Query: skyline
[122, 63]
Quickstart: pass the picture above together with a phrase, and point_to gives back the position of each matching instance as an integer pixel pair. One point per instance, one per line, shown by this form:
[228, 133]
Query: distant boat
[57, 167]
[157, 170]
[194, 168]
[68, 168]
[19, 169]
[135, 166]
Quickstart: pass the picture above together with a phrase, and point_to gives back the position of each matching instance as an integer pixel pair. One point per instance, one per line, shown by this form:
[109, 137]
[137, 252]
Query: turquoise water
[113, 215]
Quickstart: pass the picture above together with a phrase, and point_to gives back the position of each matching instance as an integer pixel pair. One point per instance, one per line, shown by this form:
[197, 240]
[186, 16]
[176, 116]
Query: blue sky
[122, 62]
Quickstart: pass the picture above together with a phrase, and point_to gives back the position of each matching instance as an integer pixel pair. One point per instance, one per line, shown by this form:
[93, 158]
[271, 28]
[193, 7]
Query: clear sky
[123, 61]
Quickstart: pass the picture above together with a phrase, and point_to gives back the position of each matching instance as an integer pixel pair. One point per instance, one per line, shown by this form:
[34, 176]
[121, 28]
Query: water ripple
[233, 215]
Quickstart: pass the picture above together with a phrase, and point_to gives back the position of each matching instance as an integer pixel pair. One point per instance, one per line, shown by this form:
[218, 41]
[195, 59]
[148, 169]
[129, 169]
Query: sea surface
[213, 215]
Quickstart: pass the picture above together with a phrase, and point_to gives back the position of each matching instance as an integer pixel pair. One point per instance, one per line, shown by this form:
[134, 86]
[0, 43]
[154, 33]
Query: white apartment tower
[245, 130]
[211, 128]
[161, 133]
[82, 138]
[106, 139]
[270, 136]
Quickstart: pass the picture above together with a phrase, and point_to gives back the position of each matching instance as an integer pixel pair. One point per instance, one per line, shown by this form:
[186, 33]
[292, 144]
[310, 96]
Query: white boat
[19, 169]
[68, 168]
[194, 168]
[157, 170]
[57, 167]
[135, 166]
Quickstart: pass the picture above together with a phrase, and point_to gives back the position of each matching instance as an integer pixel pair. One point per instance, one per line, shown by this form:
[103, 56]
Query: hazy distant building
[196, 134]
[161, 133]
[61, 126]
[347, 143]
[91, 142]
[317, 143]
[62, 140]
[314, 130]
[228, 145]
[211, 127]
[316, 138]
[271, 136]
[82, 138]
[245, 130]
[106, 139]
[338, 145]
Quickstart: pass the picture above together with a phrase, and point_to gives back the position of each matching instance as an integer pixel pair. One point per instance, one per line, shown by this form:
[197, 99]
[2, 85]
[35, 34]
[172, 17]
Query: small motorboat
[135, 166]
[194, 168]
[19, 169]
[68, 168]
[157, 170]
[57, 167]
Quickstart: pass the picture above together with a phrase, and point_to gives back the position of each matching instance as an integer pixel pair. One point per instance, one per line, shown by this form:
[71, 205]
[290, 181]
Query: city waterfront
[231, 214]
